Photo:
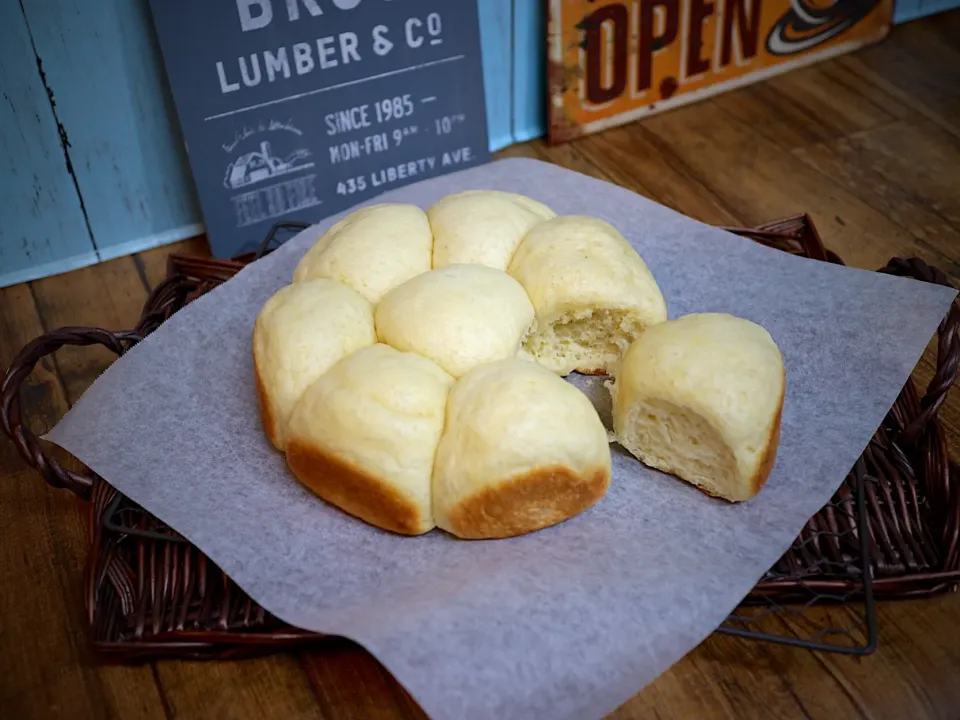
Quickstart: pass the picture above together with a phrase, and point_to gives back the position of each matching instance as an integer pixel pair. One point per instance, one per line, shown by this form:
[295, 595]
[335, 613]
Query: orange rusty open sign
[611, 61]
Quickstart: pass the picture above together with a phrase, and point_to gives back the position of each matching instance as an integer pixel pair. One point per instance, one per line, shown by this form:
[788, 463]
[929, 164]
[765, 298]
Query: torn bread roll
[700, 397]
[521, 450]
[363, 437]
[592, 292]
[459, 316]
[482, 227]
[299, 333]
[372, 250]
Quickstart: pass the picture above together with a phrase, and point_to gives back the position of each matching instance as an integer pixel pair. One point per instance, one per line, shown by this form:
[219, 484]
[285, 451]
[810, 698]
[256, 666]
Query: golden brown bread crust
[354, 491]
[773, 443]
[528, 502]
[267, 419]
[769, 456]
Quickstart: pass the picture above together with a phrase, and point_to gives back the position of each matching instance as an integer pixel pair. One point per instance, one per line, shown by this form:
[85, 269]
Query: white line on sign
[400, 71]
[436, 41]
[428, 99]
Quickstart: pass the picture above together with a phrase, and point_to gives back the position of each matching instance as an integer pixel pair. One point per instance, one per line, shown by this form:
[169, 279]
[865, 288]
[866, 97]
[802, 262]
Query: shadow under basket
[892, 530]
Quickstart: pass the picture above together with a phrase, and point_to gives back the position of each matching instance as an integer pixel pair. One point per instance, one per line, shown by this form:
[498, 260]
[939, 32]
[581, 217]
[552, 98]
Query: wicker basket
[893, 528]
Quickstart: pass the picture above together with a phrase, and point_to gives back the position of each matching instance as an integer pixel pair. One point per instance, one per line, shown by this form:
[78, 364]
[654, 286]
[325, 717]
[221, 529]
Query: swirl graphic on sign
[809, 23]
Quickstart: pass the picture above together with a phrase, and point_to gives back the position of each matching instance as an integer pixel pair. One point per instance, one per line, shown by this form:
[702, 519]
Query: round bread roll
[459, 316]
[593, 294]
[700, 397]
[301, 331]
[521, 450]
[372, 250]
[482, 227]
[364, 436]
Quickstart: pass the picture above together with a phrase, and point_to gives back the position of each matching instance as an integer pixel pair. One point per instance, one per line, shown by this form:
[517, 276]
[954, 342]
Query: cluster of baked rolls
[412, 372]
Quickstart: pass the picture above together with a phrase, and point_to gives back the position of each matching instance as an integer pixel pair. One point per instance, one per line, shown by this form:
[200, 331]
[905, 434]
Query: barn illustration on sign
[268, 167]
[260, 163]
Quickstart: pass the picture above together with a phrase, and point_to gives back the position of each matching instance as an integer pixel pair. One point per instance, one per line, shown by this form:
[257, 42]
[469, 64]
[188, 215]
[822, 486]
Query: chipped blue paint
[130, 180]
[103, 64]
[43, 230]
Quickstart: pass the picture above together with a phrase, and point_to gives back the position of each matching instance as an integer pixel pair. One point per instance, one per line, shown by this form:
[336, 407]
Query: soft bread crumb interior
[591, 340]
[680, 442]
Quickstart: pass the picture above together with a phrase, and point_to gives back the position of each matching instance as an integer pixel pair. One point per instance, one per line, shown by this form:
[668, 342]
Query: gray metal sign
[298, 109]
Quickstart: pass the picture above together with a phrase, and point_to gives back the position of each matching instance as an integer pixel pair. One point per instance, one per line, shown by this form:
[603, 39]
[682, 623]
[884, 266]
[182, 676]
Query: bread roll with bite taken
[301, 331]
[363, 437]
[482, 227]
[459, 316]
[592, 293]
[521, 450]
[701, 397]
[372, 250]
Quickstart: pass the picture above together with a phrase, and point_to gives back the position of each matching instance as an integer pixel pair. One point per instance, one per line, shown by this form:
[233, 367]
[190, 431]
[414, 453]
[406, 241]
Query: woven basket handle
[11, 418]
[948, 344]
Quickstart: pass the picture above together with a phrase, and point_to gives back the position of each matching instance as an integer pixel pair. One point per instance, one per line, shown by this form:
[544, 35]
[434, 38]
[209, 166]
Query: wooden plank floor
[868, 144]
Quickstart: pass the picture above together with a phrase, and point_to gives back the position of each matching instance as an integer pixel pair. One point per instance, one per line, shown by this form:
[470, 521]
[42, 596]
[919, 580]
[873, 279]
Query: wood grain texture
[43, 229]
[349, 683]
[129, 187]
[869, 152]
[46, 667]
[901, 170]
[814, 104]
[763, 181]
[920, 67]
[104, 68]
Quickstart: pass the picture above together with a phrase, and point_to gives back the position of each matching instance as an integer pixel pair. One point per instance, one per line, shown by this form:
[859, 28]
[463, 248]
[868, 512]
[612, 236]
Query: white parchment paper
[571, 621]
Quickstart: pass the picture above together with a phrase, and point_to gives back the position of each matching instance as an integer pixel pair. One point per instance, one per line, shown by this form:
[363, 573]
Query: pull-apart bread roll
[364, 436]
[700, 397]
[482, 227]
[372, 250]
[459, 316]
[301, 331]
[521, 450]
[593, 294]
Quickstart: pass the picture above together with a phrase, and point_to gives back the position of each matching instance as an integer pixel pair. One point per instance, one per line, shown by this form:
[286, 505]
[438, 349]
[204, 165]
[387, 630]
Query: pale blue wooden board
[907, 10]
[529, 69]
[496, 43]
[105, 70]
[42, 230]
[104, 66]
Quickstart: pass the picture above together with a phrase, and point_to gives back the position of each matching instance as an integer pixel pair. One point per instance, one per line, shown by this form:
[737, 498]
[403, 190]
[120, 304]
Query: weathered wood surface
[43, 228]
[869, 145]
[110, 113]
[103, 66]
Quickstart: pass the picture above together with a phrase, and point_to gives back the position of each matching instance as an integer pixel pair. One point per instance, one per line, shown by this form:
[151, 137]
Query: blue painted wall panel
[43, 230]
[104, 67]
[529, 70]
[907, 10]
[496, 44]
